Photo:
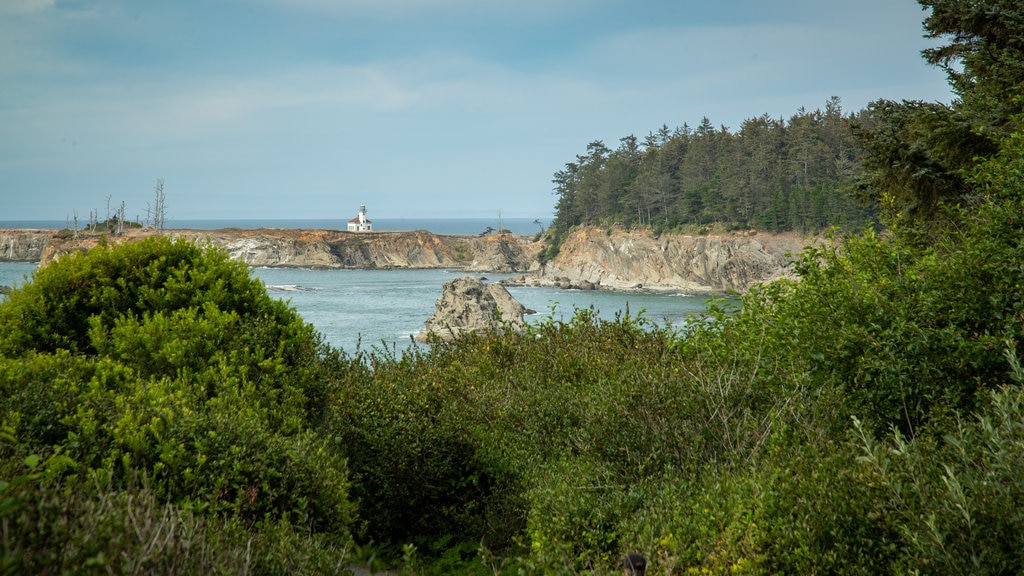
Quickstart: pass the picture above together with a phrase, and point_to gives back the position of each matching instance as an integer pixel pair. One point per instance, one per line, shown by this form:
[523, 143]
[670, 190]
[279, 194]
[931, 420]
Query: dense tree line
[771, 174]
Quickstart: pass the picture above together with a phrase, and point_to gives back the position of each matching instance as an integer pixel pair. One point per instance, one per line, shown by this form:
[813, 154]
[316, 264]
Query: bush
[86, 526]
[165, 360]
[958, 499]
[416, 467]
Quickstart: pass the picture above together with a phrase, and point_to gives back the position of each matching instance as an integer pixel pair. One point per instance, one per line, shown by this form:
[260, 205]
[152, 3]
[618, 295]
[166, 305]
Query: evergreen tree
[917, 152]
[771, 174]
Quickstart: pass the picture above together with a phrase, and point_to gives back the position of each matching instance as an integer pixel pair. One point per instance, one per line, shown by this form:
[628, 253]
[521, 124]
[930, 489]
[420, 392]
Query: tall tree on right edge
[984, 59]
[917, 152]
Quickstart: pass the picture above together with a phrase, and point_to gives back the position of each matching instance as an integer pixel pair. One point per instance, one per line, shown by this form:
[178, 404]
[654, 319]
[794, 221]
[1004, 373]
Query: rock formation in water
[469, 304]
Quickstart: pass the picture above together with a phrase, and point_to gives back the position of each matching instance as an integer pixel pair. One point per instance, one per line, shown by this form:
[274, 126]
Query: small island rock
[468, 304]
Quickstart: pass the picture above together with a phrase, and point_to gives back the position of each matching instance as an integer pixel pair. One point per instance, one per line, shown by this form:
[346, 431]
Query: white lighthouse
[360, 223]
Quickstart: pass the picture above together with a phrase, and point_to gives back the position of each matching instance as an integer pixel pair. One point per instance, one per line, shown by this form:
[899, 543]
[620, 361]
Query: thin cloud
[25, 6]
[302, 95]
[411, 8]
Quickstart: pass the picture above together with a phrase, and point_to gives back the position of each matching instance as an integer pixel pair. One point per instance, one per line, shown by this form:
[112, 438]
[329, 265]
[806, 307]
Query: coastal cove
[588, 257]
[385, 308]
[377, 289]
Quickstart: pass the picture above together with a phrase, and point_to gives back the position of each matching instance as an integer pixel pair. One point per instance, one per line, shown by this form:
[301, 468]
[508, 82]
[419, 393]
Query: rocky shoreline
[621, 260]
[589, 258]
[323, 249]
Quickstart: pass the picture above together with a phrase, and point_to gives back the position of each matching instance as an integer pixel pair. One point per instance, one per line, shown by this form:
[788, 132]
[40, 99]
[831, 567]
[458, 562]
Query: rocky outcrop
[340, 249]
[380, 250]
[589, 258]
[635, 260]
[470, 305]
[23, 245]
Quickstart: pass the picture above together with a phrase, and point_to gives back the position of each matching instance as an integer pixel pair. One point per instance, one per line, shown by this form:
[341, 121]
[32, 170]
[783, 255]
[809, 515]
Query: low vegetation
[162, 413]
[158, 374]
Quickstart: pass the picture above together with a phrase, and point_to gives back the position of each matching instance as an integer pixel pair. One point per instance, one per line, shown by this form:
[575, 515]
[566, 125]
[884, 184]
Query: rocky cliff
[370, 250]
[631, 260]
[589, 258]
[311, 248]
[24, 245]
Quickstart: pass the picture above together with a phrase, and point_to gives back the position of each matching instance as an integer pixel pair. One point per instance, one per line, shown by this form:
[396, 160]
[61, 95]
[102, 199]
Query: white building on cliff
[360, 223]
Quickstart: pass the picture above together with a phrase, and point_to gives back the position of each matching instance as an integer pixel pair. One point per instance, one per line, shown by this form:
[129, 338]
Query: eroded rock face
[316, 248]
[23, 245]
[589, 258]
[469, 304]
[635, 260]
[503, 253]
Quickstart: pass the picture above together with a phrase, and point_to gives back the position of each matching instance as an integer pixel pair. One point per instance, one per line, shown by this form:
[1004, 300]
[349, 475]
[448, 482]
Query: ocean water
[14, 273]
[383, 309]
[520, 226]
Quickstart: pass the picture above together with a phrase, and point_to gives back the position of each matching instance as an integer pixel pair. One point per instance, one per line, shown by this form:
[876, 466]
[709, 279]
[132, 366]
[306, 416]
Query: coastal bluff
[24, 245]
[589, 257]
[625, 260]
[303, 248]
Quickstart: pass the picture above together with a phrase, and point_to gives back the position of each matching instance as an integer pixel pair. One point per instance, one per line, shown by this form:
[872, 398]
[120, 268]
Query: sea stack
[468, 304]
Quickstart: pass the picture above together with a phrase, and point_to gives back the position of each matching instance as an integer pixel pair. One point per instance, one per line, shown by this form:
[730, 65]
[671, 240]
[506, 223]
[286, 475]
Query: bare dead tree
[120, 220]
[157, 212]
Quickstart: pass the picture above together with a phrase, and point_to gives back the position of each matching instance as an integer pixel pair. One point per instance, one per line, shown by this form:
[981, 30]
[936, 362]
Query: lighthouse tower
[360, 223]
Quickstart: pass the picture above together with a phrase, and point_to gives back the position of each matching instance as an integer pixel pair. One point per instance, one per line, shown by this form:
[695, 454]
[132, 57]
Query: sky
[304, 109]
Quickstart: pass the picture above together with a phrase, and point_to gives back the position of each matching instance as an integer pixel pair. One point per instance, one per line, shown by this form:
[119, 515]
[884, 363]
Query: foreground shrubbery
[164, 365]
[163, 412]
[89, 526]
[864, 420]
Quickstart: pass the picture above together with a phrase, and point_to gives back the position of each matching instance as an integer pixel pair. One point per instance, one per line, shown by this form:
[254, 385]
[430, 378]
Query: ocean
[519, 226]
[383, 309]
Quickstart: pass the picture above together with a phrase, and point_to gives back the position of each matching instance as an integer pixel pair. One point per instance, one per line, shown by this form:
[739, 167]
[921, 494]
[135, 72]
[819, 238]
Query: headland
[589, 258]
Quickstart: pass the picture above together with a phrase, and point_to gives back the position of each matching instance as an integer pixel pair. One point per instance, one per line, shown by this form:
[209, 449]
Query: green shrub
[817, 514]
[576, 508]
[86, 526]
[416, 467]
[958, 499]
[165, 359]
[903, 333]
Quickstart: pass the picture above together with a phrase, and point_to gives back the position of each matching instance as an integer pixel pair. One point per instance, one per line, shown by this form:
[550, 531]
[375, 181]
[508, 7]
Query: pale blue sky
[418, 108]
